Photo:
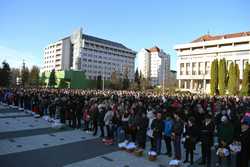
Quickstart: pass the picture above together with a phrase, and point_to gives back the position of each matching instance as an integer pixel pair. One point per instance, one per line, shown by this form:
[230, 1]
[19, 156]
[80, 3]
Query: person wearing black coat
[176, 135]
[94, 117]
[243, 156]
[157, 126]
[79, 114]
[191, 136]
[141, 135]
[206, 137]
[100, 119]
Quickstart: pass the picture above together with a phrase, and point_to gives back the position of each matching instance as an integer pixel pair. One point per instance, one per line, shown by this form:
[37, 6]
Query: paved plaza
[28, 141]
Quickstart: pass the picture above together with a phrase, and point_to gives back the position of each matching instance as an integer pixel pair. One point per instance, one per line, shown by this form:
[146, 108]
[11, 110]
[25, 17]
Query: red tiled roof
[154, 49]
[217, 37]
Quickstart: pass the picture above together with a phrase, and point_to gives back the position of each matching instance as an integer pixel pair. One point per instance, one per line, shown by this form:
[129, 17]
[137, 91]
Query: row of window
[100, 59]
[53, 46]
[52, 51]
[95, 77]
[108, 53]
[101, 47]
[214, 46]
[194, 72]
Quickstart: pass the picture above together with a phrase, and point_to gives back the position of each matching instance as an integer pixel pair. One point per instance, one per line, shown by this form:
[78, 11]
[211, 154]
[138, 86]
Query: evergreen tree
[137, 77]
[5, 74]
[214, 77]
[245, 81]
[125, 81]
[52, 79]
[222, 76]
[15, 74]
[237, 87]
[34, 76]
[232, 80]
[42, 79]
[63, 84]
[25, 76]
[99, 82]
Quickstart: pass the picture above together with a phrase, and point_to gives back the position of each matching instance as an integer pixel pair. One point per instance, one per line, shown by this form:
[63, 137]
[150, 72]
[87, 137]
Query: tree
[25, 76]
[237, 87]
[42, 79]
[214, 77]
[222, 76]
[99, 82]
[245, 81]
[15, 74]
[232, 79]
[34, 76]
[145, 83]
[5, 74]
[125, 81]
[115, 80]
[137, 77]
[52, 79]
[63, 84]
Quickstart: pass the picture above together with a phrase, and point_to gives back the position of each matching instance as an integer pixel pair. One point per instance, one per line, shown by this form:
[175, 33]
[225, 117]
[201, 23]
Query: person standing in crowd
[243, 156]
[142, 126]
[63, 110]
[132, 125]
[176, 135]
[168, 129]
[206, 137]
[74, 110]
[157, 126]
[225, 136]
[108, 123]
[101, 122]
[86, 118]
[151, 117]
[191, 135]
[79, 107]
[94, 117]
[125, 118]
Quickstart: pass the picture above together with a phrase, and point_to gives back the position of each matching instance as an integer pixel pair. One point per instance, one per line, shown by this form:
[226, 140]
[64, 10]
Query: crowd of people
[140, 117]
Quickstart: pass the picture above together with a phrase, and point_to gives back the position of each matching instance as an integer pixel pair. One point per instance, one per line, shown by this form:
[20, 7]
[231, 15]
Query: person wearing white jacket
[108, 122]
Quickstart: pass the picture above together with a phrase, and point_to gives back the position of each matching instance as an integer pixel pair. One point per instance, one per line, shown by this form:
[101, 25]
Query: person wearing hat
[191, 135]
[206, 137]
[244, 155]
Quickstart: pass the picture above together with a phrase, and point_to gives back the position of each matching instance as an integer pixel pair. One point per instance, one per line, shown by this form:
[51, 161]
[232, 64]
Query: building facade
[154, 64]
[94, 56]
[195, 58]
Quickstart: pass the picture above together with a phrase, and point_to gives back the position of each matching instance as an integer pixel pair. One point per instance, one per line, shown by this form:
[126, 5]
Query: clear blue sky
[27, 26]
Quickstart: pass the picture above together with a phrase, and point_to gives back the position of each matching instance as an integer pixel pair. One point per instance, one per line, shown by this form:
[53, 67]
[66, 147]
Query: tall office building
[95, 56]
[154, 63]
[195, 58]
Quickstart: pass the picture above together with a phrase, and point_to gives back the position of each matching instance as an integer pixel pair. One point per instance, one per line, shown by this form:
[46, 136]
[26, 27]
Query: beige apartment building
[195, 58]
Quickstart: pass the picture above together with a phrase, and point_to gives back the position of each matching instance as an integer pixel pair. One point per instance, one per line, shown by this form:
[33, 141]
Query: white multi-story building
[195, 58]
[95, 56]
[154, 64]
